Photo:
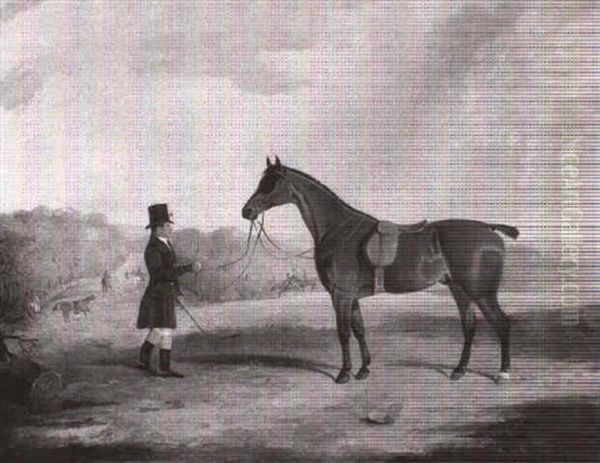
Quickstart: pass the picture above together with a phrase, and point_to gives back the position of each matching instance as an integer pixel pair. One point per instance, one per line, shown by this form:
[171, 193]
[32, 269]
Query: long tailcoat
[157, 309]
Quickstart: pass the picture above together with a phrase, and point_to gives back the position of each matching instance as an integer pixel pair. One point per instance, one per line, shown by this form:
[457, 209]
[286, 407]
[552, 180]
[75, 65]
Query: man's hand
[197, 267]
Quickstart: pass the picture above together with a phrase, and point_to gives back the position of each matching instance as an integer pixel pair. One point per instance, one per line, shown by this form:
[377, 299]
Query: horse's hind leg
[358, 328]
[485, 293]
[468, 321]
[501, 323]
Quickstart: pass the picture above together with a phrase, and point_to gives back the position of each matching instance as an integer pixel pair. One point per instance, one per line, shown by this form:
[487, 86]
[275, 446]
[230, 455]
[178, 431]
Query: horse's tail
[512, 232]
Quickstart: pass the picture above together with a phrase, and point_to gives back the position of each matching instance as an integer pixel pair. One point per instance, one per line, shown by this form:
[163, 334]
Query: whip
[202, 330]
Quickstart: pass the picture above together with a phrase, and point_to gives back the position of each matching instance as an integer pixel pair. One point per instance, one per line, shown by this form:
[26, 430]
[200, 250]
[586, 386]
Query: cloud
[21, 84]
[11, 8]
[453, 45]
[289, 25]
[250, 43]
[25, 79]
[469, 36]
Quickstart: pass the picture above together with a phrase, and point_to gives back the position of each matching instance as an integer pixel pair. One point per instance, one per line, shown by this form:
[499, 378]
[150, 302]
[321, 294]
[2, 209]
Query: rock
[26, 382]
[377, 417]
[44, 391]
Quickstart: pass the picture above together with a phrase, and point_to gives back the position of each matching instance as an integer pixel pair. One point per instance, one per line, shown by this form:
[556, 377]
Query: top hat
[159, 214]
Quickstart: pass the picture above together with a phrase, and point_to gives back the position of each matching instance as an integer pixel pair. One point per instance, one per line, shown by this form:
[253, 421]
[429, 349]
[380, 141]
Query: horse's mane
[328, 190]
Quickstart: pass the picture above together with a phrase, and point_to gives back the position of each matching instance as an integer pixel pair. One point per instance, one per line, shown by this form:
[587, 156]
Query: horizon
[141, 229]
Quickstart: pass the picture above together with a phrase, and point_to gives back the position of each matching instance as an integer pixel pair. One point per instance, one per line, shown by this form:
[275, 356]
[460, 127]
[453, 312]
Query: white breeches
[162, 337]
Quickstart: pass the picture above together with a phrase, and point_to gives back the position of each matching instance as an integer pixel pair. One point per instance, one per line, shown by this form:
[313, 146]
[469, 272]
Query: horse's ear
[269, 162]
[277, 162]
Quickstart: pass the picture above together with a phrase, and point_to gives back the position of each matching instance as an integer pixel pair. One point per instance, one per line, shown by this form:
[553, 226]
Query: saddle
[382, 246]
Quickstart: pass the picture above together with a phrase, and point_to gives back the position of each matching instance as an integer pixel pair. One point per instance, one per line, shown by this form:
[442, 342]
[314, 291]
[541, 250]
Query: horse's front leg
[343, 315]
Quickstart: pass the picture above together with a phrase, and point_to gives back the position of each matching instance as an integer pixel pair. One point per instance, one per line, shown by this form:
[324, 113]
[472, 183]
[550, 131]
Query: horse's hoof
[343, 377]
[457, 373]
[502, 378]
[362, 373]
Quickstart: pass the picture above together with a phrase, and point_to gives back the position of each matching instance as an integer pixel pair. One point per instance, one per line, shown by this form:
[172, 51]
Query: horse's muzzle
[249, 213]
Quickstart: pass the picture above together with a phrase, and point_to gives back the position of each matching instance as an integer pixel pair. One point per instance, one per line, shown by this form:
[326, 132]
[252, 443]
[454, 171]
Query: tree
[16, 289]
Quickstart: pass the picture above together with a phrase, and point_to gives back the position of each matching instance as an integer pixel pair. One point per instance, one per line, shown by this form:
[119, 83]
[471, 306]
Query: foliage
[43, 250]
[15, 276]
[293, 282]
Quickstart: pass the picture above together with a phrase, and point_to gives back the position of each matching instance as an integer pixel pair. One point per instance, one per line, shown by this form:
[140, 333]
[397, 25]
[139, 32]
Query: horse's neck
[321, 210]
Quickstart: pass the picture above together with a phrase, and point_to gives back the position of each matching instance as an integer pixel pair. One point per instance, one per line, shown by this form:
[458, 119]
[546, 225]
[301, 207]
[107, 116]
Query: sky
[406, 109]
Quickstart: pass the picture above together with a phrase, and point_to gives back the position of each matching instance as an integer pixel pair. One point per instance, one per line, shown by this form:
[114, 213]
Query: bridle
[302, 255]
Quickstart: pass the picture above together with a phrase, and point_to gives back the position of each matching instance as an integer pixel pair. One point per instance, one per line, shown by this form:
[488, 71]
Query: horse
[467, 256]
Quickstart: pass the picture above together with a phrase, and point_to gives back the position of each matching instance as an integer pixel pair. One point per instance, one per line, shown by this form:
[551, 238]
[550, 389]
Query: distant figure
[34, 305]
[157, 308]
[76, 307]
[106, 282]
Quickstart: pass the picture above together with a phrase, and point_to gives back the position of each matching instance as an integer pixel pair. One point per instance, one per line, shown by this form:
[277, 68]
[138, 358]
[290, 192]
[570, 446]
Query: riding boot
[164, 358]
[145, 352]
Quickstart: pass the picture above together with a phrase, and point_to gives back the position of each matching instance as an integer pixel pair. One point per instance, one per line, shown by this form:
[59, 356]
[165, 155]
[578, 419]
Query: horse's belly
[419, 277]
[418, 264]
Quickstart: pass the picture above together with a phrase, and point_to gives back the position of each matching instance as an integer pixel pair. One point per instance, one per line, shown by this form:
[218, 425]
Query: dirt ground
[259, 386]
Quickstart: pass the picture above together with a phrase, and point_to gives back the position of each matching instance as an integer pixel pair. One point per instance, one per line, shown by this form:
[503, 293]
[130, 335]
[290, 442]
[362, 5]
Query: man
[106, 282]
[157, 308]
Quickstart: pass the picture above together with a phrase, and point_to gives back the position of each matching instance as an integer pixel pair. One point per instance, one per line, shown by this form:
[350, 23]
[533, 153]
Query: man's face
[165, 231]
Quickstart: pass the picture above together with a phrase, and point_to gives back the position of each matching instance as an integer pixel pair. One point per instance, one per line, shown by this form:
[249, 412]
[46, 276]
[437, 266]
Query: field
[259, 386]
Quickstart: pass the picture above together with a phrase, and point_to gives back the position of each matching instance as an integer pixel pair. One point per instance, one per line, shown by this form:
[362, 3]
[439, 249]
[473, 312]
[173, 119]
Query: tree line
[44, 249]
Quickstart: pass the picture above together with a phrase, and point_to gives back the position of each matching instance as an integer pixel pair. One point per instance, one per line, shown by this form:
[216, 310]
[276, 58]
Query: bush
[43, 250]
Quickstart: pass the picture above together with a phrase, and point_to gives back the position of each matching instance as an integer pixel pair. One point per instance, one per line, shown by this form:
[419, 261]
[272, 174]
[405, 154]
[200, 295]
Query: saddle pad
[381, 249]
[386, 228]
[382, 246]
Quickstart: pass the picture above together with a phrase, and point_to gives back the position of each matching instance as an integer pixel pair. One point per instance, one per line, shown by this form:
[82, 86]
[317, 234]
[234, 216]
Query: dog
[75, 307]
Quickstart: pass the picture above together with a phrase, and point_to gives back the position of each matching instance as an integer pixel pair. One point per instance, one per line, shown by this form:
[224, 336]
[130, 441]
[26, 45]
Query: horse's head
[272, 191]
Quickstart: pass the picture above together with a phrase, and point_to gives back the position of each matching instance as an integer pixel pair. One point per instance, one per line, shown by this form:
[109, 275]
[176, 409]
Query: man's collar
[164, 241]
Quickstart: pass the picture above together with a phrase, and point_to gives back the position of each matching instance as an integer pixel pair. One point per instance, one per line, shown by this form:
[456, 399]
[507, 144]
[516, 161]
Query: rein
[302, 255]
[269, 240]
[263, 232]
[268, 244]
[250, 250]
[226, 265]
